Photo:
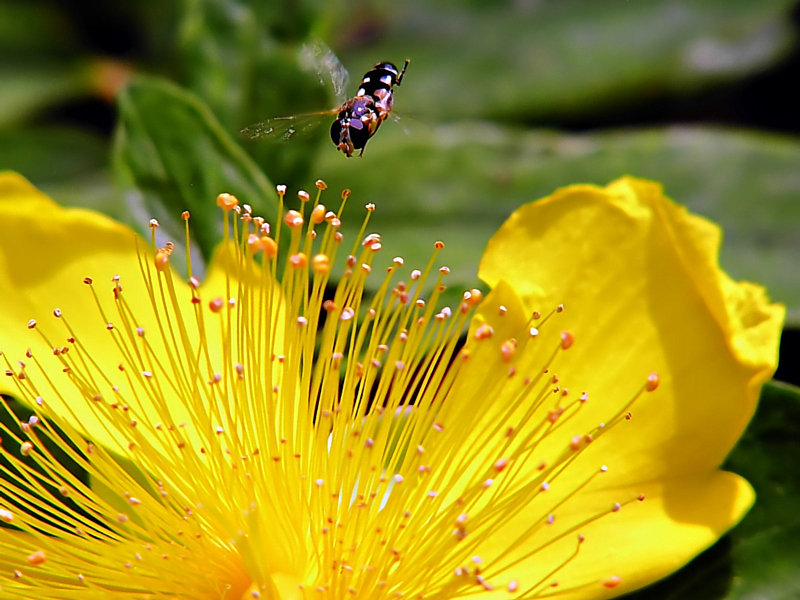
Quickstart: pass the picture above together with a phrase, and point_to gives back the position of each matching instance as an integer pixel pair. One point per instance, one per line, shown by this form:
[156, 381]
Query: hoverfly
[357, 119]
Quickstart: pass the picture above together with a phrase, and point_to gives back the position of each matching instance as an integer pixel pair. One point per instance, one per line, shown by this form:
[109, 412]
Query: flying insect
[357, 119]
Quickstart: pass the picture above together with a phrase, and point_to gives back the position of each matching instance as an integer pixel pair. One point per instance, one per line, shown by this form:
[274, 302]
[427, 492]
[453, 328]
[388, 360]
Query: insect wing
[282, 129]
[318, 58]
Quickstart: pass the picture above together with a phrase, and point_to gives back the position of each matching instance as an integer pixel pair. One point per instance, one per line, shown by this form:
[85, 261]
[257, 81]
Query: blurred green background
[133, 107]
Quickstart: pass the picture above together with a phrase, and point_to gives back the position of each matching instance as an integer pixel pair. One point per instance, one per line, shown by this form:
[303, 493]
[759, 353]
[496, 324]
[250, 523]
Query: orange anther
[269, 246]
[299, 260]
[484, 332]
[227, 201]
[652, 382]
[508, 349]
[567, 339]
[216, 305]
[612, 582]
[37, 557]
[318, 214]
[161, 260]
[321, 263]
[321, 185]
[293, 219]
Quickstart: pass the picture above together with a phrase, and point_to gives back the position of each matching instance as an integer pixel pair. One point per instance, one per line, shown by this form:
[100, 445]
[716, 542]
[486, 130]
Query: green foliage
[172, 155]
[458, 183]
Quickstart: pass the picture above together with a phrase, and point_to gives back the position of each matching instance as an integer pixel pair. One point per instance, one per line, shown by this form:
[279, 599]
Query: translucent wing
[282, 129]
[318, 58]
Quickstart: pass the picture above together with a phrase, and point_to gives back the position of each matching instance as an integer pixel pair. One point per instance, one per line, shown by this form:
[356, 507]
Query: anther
[320, 264]
[37, 557]
[321, 185]
[293, 219]
[303, 195]
[508, 349]
[560, 308]
[612, 582]
[185, 215]
[269, 246]
[652, 382]
[501, 465]
[227, 201]
[32, 324]
[567, 339]
[216, 305]
[281, 189]
[299, 260]
[484, 332]
[370, 207]
[318, 214]
[439, 245]
[154, 224]
[161, 260]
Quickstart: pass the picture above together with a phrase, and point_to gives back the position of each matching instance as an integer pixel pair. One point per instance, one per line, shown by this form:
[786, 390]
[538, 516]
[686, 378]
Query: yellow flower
[253, 436]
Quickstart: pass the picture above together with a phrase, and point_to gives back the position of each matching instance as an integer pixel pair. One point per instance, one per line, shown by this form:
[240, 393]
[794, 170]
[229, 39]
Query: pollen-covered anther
[281, 189]
[293, 219]
[560, 308]
[567, 339]
[612, 582]
[575, 444]
[371, 239]
[227, 201]
[508, 349]
[6, 516]
[37, 557]
[501, 465]
[321, 264]
[473, 297]
[484, 332]
[216, 305]
[185, 215]
[303, 195]
[254, 243]
[269, 246]
[444, 270]
[318, 214]
[483, 583]
[652, 382]
[25, 448]
[299, 260]
[161, 259]
[554, 413]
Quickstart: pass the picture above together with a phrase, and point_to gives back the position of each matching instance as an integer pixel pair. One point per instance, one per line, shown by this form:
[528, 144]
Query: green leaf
[29, 87]
[759, 557]
[554, 59]
[171, 155]
[245, 60]
[51, 154]
[459, 183]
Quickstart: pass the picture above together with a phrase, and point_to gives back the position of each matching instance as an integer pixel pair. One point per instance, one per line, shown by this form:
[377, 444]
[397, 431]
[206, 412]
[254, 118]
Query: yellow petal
[47, 252]
[642, 292]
